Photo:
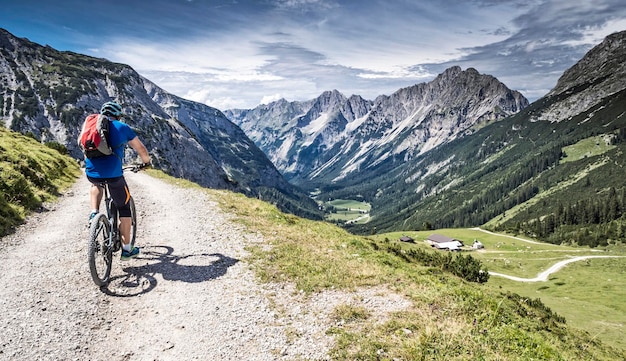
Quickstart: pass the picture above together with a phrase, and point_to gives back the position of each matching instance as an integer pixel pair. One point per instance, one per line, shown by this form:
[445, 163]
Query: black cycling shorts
[119, 192]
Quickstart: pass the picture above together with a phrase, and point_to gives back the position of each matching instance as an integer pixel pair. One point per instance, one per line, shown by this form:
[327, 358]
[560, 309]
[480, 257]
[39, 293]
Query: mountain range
[47, 94]
[333, 137]
[461, 150]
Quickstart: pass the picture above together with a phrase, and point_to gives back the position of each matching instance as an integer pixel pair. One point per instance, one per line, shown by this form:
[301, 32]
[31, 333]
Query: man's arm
[138, 146]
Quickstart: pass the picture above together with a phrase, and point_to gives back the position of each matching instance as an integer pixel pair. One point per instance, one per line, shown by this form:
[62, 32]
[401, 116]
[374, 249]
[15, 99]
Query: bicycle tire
[133, 224]
[99, 252]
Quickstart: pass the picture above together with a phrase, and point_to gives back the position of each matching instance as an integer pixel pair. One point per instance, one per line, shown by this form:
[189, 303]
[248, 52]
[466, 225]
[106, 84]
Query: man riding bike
[108, 169]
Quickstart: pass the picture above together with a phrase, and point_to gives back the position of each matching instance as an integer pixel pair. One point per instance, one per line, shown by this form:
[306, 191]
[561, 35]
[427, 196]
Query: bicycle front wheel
[99, 251]
[133, 224]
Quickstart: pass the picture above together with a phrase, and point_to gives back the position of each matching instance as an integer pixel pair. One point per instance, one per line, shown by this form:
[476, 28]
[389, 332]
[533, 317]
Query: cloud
[416, 72]
[235, 53]
[368, 49]
[550, 37]
[314, 5]
[271, 98]
[591, 35]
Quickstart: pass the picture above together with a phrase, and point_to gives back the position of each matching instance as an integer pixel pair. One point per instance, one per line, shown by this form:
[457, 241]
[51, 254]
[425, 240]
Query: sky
[239, 54]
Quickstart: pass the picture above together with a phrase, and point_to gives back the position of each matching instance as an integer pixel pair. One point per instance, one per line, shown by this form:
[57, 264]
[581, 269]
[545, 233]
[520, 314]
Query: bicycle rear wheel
[99, 252]
[133, 224]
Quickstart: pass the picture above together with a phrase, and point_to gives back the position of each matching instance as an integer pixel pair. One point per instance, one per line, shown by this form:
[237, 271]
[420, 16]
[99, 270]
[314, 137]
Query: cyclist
[108, 169]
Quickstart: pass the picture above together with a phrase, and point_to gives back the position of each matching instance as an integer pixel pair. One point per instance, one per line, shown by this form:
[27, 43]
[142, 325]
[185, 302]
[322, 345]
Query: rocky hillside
[599, 74]
[48, 93]
[333, 136]
[551, 171]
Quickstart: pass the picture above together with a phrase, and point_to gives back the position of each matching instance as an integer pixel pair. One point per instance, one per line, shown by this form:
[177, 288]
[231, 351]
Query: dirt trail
[518, 238]
[188, 296]
[543, 276]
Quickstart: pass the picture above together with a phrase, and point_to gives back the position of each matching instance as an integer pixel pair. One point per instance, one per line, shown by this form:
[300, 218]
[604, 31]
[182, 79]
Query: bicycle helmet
[112, 109]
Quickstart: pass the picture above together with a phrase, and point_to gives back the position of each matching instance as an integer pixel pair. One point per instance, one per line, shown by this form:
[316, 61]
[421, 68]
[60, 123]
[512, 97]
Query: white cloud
[214, 99]
[297, 49]
[215, 53]
[592, 35]
[271, 98]
[398, 73]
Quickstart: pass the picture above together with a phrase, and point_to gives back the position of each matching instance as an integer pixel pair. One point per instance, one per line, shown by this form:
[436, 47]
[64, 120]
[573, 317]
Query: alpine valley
[462, 150]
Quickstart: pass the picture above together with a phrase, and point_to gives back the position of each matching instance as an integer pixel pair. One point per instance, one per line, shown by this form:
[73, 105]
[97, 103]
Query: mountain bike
[104, 235]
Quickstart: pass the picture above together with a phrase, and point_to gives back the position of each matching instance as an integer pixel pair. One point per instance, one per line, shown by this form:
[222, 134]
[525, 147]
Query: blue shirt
[110, 166]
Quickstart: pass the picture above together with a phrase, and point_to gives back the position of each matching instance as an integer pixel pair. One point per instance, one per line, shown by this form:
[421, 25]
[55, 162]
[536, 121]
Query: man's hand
[137, 167]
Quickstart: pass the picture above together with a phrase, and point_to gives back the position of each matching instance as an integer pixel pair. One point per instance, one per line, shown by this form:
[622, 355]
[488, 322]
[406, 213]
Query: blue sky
[238, 53]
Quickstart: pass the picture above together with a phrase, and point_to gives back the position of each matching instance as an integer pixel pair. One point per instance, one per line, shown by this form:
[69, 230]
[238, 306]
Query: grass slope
[450, 319]
[30, 174]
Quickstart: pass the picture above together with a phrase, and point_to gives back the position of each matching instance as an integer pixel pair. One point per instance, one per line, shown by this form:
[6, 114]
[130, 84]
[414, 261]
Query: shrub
[58, 147]
[466, 267]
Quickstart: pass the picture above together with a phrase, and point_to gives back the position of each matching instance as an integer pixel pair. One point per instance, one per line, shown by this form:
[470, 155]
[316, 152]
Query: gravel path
[543, 276]
[503, 235]
[189, 296]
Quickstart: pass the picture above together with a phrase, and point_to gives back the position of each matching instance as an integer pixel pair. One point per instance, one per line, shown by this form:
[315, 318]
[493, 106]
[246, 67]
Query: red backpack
[94, 138]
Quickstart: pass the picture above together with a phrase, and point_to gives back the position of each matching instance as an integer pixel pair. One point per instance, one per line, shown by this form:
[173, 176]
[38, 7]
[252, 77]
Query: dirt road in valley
[543, 276]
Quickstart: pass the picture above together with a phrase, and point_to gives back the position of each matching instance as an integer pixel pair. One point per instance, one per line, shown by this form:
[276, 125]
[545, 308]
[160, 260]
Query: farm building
[407, 239]
[444, 243]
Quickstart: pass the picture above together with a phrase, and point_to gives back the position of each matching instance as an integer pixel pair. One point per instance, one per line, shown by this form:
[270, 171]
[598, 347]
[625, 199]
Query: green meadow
[30, 174]
[587, 148]
[590, 294]
[346, 210]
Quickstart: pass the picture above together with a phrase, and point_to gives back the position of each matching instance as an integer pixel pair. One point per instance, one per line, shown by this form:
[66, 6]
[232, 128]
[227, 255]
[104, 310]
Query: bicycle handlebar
[136, 167]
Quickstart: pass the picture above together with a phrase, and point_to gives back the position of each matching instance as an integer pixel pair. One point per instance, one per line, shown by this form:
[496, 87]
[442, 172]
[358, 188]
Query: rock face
[331, 137]
[599, 74]
[48, 93]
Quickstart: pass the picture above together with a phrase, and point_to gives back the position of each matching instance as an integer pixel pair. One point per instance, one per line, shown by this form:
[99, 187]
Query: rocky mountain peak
[328, 101]
[6, 40]
[339, 135]
[450, 73]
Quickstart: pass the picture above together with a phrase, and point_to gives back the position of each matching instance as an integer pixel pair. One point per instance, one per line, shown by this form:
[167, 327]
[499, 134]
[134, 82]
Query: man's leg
[95, 197]
[121, 197]
[127, 251]
[125, 223]
[95, 194]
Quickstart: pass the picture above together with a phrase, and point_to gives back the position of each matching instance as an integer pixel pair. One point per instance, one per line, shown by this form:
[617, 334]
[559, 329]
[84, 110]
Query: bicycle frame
[105, 237]
[115, 241]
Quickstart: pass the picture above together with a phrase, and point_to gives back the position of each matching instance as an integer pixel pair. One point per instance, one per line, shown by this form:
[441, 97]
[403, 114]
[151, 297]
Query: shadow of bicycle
[191, 268]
